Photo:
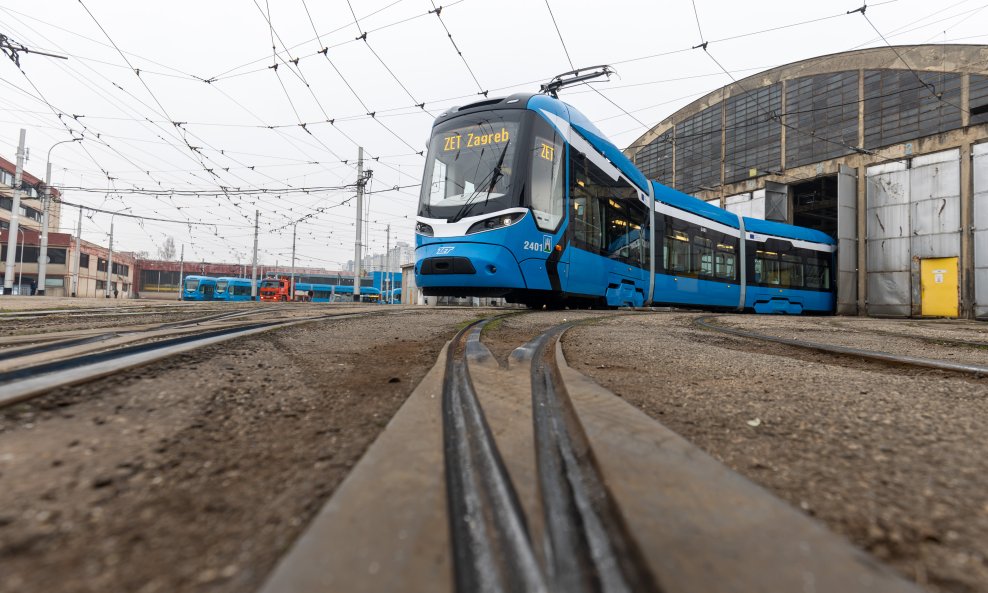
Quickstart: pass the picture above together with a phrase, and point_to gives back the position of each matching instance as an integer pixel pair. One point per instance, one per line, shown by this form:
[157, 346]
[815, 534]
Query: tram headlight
[495, 222]
[423, 229]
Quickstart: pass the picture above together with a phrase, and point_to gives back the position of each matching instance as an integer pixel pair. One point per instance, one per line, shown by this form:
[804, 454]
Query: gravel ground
[196, 473]
[68, 319]
[893, 458]
[965, 342]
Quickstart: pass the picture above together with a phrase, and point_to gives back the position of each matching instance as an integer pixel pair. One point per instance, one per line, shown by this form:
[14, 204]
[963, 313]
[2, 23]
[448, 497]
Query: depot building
[884, 149]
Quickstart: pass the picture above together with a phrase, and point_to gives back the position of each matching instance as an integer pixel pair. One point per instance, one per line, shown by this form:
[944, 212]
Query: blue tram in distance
[523, 198]
[198, 288]
[333, 293]
[230, 288]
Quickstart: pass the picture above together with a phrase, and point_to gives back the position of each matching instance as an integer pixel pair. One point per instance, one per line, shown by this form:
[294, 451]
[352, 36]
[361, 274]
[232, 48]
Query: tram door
[939, 293]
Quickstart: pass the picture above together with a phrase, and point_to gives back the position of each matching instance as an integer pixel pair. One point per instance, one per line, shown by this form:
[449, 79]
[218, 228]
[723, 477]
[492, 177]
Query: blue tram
[333, 293]
[198, 288]
[523, 198]
[232, 289]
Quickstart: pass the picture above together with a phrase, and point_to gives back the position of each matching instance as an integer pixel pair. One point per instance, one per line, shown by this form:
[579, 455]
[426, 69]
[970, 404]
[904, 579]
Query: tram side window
[817, 272]
[588, 230]
[724, 260]
[800, 268]
[547, 177]
[677, 252]
[623, 233]
[703, 256]
[592, 192]
[767, 268]
[791, 270]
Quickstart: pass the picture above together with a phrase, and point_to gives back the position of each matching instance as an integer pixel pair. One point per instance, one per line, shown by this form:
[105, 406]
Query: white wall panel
[980, 170]
[887, 242]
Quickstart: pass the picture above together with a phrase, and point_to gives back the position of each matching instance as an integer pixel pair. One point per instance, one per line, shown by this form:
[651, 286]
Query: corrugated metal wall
[887, 209]
[935, 211]
[847, 240]
[750, 204]
[912, 213]
[980, 170]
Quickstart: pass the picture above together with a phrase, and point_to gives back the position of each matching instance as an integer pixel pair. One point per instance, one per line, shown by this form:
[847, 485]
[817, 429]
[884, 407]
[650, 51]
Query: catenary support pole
[77, 256]
[109, 261]
[291, 287]
[45, 214]
[181, 275]
[43, 253]
[253, 273]
[358, 247]
[387, 266]
[15, 209]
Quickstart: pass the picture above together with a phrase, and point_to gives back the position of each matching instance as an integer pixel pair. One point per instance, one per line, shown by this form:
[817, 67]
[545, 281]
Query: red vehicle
[275, 289]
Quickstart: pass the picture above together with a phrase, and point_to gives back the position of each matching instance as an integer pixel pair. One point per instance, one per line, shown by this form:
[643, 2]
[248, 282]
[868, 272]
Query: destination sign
[476, 138]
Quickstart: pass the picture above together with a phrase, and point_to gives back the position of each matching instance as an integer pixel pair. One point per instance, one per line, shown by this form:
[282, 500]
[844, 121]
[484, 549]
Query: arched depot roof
[816, 109]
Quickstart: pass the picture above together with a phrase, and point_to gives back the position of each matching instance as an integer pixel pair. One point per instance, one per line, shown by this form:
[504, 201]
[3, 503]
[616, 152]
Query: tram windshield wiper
[494, 175]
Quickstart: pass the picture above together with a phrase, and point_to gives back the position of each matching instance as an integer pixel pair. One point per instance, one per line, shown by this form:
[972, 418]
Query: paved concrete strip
[702, 527]
[384, 529]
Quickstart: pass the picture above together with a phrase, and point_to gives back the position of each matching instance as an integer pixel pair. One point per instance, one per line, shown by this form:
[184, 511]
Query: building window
[84, 261]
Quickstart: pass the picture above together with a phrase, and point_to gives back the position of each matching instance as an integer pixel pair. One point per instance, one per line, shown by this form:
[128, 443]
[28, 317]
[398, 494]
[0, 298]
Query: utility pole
[43, 253]
[45, 207]
[181, 274]
[387, 266]
[109, 261]
[77, 256]
[253, 273]
[15, 209]
[291, 288]
[357, 248]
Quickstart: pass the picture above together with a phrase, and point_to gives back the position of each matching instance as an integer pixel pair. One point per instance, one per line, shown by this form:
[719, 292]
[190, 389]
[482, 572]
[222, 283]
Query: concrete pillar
[967, 238]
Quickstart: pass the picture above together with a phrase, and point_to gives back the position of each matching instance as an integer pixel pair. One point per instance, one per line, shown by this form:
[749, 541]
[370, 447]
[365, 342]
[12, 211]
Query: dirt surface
[947, 340]
[94, 314]
[893, 458]
[196, 473]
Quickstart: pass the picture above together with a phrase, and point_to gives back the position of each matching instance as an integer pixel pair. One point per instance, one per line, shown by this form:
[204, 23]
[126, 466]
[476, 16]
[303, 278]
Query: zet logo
[444, 250]
[546, 243]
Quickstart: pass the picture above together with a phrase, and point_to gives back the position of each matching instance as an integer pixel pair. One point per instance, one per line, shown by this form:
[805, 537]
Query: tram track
[547, 482]
[972, 369]
[16, 355]
[929, 339]
[36, 370]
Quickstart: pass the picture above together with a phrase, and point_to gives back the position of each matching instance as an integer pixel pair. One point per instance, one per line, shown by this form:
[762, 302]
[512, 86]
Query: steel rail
[12, 353]
[492, 551]
[943, 365]
[22, 384]
[88, 312]
[928, 339]
[56, 345]
[589, 548]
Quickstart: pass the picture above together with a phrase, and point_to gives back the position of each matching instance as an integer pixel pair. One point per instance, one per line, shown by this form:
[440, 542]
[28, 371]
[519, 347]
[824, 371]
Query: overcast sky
[207, 65]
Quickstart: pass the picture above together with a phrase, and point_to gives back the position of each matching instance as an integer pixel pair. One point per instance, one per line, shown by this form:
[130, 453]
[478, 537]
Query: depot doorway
[814, 204]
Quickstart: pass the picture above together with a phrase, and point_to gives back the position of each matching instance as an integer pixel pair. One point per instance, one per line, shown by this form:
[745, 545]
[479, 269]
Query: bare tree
[166, 251]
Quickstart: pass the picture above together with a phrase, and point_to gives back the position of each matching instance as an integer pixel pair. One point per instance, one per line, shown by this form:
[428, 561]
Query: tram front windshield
[472, 165]
[191, 284]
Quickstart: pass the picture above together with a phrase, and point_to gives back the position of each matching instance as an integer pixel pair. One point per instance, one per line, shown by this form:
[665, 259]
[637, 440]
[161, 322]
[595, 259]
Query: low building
[30, 208]
[162, 279]
[62, 249]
